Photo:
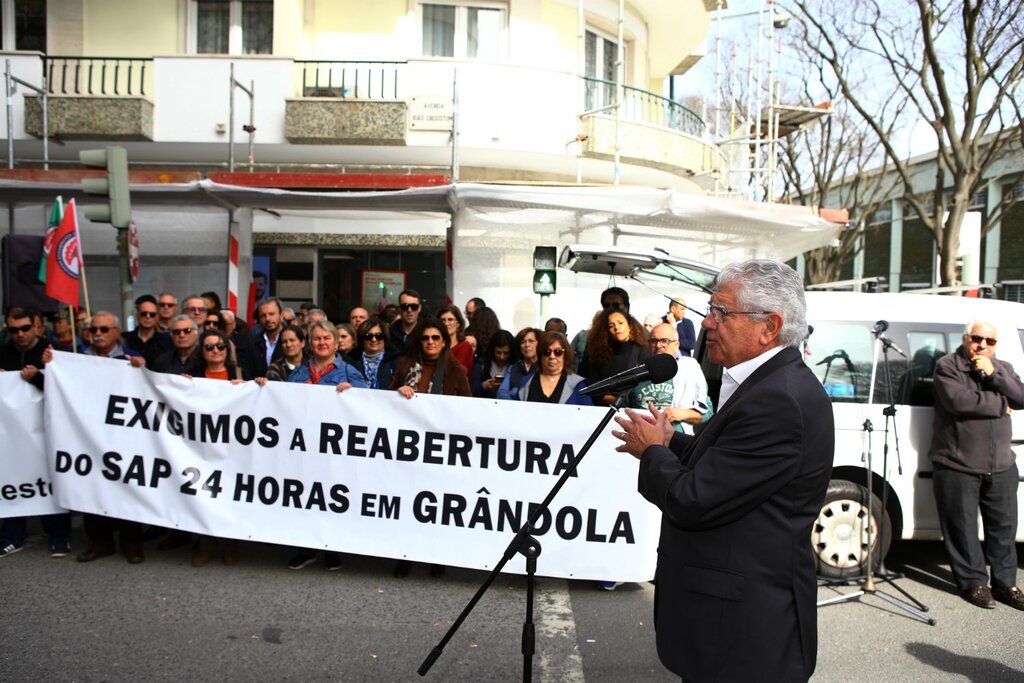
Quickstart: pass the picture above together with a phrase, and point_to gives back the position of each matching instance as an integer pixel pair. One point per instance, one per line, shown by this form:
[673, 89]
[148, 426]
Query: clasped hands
[641, 430]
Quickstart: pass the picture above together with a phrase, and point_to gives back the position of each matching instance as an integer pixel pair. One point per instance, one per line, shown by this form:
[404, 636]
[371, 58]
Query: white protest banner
[25, 488]
[437, 479]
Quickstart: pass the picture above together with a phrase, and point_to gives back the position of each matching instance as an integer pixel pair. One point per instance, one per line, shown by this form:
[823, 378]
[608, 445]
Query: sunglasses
[409, 307]
[21, 328]
[977, 339]
[373, 336]
[102, 329]
[147, 314]
[220, 346]
[430, 337]
[166, 304]
[182, 331]
[556, 351]
[211, 323]
[196, 309]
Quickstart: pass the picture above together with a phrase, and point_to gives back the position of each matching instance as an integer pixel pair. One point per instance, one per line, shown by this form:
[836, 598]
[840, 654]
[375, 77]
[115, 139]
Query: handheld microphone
[656, 369]
[880, 327]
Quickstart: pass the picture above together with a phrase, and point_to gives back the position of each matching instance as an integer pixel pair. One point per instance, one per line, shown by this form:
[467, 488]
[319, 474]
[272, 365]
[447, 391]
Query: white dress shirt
[733, 377]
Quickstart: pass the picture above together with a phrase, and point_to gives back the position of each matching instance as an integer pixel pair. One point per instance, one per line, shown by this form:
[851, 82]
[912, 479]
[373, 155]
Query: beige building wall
[140, 28]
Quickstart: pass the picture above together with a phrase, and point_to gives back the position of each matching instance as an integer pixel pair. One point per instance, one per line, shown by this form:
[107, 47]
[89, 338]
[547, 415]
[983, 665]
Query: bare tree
[957, 65]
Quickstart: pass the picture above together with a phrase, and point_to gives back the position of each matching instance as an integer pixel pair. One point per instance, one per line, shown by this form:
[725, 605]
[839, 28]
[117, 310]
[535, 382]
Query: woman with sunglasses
[374, 357]
[553, 380]
[526, 343]
[325, 366]
[211, 360]
[293, 349]
[427, 367]
[490, 368]
[463, 348]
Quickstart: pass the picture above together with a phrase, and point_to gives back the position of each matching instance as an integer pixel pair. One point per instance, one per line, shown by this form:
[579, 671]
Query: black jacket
[13, 359]
[971, 432]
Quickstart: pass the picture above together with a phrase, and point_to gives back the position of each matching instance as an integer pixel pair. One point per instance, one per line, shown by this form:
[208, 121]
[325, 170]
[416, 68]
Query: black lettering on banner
[566, 458]
[481, 514]
[316, 497]
[214, 429]
[453, 507]
[381, 445]
[292, 491]
[140, 418]
[298, 441]
[510, 515]
[161, 470]
[459, 446]
[485, 443]
[212, 484]
[81, 463]
[111, 469]
[380, 506]
[268, 490]
[408, 440]
[191, 425]
[424, 507]
[537, 454]
[330, 438]
[340, 500]
[189, 487]
[115, 410]
[245, 430]
[357, 440]
[592, 534]
[174, 423]
[623, 528]
[136, 471]
[433, 442]
[508, 461]
[245, 486]
[268, 432]
[568, 522]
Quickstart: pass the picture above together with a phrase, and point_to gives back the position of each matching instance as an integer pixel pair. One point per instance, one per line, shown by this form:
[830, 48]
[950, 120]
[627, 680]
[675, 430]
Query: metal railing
[642, 106]
[106, 76]
[356, 80]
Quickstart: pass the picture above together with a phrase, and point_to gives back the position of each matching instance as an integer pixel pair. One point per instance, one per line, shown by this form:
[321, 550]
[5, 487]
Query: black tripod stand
[526, 545]
[867, 579]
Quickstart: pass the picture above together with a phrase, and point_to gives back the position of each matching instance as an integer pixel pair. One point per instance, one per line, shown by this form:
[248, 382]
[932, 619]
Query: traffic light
[118, 211]
[544, 278]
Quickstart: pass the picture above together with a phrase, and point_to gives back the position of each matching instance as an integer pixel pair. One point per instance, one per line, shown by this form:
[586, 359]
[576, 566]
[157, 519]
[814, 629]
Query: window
[601, 53]
[463, 31]
[23, 24]
[233, 27]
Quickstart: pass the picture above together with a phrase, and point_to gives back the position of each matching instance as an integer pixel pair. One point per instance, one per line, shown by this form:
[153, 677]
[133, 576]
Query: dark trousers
[100, 531]
[57, 526]
[959, 496]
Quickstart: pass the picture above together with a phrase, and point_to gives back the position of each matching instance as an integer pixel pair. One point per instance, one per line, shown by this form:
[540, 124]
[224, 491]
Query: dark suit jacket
[736, 588]
[686, 331]
[252, 354]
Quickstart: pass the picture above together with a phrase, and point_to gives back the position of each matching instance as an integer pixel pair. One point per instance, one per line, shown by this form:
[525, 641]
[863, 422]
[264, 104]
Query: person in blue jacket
[373, 356]
[552, 379]
[325, 366]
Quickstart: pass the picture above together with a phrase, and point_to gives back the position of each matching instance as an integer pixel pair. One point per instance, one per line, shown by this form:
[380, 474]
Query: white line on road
[558, 652]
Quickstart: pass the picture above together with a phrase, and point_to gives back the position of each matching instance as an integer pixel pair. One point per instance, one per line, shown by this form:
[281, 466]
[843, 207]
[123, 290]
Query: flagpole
[85, 287]
[72, 321]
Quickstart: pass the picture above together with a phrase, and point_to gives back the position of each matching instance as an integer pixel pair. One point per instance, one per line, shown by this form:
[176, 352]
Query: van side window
[926, 348]
[840, 356]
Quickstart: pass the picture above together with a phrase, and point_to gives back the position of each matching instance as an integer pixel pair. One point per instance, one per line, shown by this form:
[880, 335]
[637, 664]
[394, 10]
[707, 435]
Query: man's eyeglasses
[556, 351]
[373, 336]
[719, 313]
[101, 329]
[220, 346]
[21, 328]
[656, 341]
[409, 307]
[166, 304]
[977, 339]
[430, 337]
[196, 309]
[182, 331]
[147, 314]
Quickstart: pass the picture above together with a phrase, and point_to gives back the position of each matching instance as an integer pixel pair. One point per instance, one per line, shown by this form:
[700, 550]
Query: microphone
[880, 327]
[656, 369]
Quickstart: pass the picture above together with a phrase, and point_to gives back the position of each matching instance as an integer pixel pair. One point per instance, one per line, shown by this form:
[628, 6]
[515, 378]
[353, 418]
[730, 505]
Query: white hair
[772, 286]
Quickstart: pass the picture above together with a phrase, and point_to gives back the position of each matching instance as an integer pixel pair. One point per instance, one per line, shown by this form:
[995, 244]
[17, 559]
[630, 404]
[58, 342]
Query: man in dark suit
[262, 348]
[736, 588]
[684, 326]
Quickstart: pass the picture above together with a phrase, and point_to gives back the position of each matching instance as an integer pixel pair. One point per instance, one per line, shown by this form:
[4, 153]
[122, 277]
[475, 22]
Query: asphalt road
[258, 621]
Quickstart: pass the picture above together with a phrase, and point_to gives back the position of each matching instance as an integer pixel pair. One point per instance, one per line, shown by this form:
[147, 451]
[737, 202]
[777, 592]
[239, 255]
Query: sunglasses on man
[100, 329]
[409, 307]
[20, 328]
[977, 339]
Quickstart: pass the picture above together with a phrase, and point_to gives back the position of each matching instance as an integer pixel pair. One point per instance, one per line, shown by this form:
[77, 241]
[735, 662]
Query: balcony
[94, 98]
[514, 122]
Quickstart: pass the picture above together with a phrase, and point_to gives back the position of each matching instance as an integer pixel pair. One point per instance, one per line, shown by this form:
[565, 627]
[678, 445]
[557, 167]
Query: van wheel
[840, 534]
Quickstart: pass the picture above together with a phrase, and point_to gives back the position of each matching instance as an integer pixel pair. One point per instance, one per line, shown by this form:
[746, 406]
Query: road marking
[558, 656]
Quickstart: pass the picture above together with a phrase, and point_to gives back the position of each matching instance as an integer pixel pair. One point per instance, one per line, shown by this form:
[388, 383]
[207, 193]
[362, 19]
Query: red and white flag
[64, 262]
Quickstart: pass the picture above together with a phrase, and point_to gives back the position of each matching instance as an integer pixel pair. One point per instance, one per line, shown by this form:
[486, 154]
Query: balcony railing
[643, 106]
[98, 76]
[356, 80]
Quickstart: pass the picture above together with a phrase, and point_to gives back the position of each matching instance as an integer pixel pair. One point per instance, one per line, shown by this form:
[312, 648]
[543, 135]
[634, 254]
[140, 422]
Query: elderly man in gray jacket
[974, 466]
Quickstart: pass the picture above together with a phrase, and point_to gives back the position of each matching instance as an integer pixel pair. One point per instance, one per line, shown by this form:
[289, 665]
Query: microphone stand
[867, 580]
[523, 543]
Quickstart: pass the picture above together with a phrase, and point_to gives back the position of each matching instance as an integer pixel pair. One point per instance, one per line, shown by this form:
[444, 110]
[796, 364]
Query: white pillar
[896, 245]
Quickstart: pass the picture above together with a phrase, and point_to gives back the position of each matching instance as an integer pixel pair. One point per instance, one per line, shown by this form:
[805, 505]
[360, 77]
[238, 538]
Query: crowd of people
[399, 348]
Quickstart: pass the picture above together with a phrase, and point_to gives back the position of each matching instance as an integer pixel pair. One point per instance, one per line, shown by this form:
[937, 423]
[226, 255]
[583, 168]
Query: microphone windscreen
[662, 367]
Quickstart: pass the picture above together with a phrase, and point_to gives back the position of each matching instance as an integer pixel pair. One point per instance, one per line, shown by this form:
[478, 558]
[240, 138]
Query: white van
[844, 353]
